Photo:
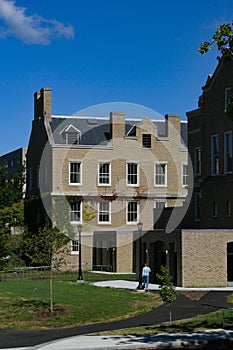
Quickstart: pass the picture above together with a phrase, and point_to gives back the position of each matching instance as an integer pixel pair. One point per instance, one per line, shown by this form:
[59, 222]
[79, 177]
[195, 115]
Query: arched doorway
[230, 263]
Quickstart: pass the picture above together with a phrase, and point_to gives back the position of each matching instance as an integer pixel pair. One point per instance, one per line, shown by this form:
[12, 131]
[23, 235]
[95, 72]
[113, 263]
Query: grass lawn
[25, 304]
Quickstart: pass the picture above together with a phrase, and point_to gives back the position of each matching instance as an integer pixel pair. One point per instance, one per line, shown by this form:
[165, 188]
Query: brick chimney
[43, 104]
[117, 125]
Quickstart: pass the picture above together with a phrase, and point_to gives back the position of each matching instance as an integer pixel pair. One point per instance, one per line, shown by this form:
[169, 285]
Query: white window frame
[160, 204]
[215, 166]
[227, 152]
[80, 173]
[107, 175]
[184, 175]
[197, 161]
[73, 210]
[104, 211]
[135, 174]
[132, 222]
[160, 175]
[74, 247]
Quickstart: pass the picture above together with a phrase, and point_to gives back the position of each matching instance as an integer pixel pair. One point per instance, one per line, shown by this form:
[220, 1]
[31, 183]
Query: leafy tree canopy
[223, 39]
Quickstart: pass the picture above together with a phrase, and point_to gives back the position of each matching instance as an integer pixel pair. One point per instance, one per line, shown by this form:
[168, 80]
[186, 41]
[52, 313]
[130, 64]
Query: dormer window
[146, 140]
[71, 135]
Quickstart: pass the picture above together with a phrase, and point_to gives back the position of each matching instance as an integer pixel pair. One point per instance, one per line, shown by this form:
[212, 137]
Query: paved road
[182, 308]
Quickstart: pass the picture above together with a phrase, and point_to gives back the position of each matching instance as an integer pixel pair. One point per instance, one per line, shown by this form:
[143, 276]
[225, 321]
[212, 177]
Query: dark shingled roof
[96, 131]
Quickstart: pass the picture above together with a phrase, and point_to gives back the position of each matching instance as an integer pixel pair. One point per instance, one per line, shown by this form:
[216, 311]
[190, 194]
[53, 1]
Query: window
[184, 175]
[227, 99]
[197, 161]
[75, 173]
[160, 204]
[74, 246]
[132, 212]
[132, 174]
[75, 212]
[161, 174]
[228, 152]
[228, 208]
[215, 155]
[104, 174]
[104, 212]
[215, 209]
[71, 135]
[197, 206]
[146, 140]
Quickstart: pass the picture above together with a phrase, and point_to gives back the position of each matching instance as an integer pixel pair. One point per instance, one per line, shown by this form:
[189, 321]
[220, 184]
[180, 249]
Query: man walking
[145, 275]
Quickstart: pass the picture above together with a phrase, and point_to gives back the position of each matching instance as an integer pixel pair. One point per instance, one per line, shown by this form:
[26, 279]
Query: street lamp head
[80, 227]
[140, 224]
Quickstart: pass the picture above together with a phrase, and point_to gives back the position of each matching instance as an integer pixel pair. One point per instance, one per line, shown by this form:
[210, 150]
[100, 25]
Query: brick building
[108, 174]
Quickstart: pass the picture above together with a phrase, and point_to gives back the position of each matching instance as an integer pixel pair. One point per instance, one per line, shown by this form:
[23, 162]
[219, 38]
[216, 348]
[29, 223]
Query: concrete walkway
[79, 337]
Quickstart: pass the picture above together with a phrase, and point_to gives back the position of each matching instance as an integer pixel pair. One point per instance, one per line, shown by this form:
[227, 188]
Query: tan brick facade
[106, 243]
[204, 257]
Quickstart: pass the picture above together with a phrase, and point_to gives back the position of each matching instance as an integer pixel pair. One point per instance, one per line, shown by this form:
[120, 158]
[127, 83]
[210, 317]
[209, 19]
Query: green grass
[25, 304]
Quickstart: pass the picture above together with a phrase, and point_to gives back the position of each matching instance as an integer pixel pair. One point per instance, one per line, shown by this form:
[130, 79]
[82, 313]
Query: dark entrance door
[104, 251]
[230, 262]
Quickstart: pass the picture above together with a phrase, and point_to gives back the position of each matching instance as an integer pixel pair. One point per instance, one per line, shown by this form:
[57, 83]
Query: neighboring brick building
[210, 249]
[14, 161]
[108, 173]
[200, 252]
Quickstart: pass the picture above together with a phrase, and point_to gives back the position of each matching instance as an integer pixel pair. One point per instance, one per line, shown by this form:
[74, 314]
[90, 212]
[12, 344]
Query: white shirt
[145, 271]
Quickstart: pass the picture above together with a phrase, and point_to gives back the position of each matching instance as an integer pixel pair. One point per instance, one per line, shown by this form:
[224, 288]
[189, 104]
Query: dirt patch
[193, 295]
[46, 313]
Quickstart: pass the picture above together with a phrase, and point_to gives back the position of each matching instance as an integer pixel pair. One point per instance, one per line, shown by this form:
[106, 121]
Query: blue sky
[99, 51]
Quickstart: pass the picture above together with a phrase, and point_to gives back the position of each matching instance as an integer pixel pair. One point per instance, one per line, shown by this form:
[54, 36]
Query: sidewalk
[88, 342]
[79, 337]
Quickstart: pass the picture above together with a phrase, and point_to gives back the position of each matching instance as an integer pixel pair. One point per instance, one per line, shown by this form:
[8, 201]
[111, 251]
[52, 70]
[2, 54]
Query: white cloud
[32, 29]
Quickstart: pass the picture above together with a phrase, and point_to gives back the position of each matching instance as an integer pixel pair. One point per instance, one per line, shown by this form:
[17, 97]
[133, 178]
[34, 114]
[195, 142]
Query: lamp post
[80, 277]
[140, 224]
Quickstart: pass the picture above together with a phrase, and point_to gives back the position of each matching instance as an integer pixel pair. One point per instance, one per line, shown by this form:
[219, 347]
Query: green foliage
[167, 290]
[43, 247]
[223, 39]
[11, 186]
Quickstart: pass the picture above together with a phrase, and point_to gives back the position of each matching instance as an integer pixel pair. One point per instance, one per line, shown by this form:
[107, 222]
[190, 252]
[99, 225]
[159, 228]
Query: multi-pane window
[74, 246]
[133, 174]
[104, 174]
[104, 212]
[161, 174]
[184, 175]
[132, 212]
[75, 173]
[146, 140]
[197, 206]
[159, 204]
[228, 152]
[197, 161]
[75, 211]
[215, 154]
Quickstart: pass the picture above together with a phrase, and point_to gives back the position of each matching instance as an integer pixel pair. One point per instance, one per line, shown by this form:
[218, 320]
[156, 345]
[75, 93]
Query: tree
[11, 186]
[167, 289]
[223, 38]
[47, 247]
